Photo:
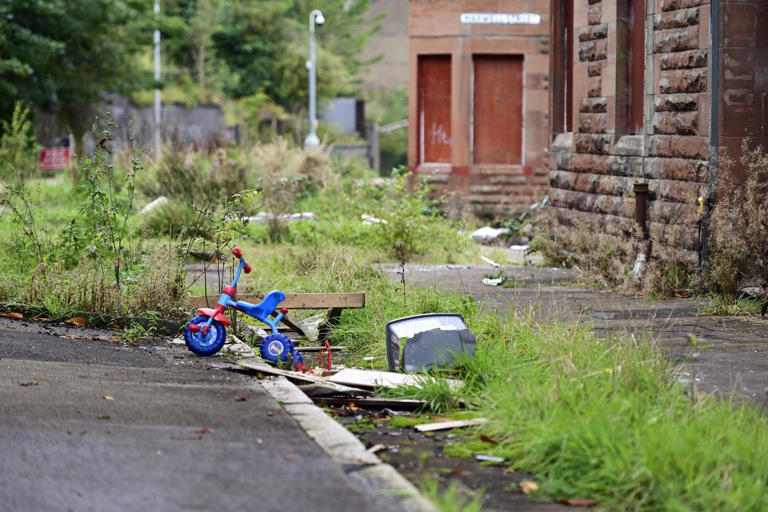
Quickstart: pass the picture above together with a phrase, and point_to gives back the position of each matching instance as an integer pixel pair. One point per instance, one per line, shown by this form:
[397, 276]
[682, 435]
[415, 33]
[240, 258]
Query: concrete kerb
[361, 466]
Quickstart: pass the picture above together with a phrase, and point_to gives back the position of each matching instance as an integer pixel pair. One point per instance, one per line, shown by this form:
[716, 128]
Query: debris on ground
[264, 217]
[369, 220]
[236, 347]
[487, 234]
[490, 262]
[160, 201]
[448, 425]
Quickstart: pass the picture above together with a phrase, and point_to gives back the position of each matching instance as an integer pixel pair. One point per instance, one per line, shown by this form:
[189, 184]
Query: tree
[265, 46]
[80, 50]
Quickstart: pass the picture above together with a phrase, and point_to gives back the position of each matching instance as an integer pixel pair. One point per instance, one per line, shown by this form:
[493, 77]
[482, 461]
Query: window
[636, 66]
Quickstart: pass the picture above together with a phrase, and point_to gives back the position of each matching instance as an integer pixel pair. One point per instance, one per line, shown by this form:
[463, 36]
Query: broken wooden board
[323, 390]
[296, 300]
[447, 425]
[379, 379]
[260, 366]
[377, 403]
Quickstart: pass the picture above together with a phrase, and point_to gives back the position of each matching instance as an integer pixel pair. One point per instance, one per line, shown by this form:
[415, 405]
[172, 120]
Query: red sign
[53, 159]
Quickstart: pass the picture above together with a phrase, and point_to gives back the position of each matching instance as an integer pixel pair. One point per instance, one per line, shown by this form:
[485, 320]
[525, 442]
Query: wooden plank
[406, 404]
[446, 425]
[378, 379]
[295, 300]
[258, 365]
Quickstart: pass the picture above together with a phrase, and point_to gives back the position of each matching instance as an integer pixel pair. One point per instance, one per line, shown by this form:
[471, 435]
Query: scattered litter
[528, 486]
[30, 383]
[487, 234]
[160, 201]
[321, 390]
[458, 472]
[369, 220]
[264, 217]
[311, 326]
[240, 399]
[205, 430]
[430, 341]
[495, 281]
[490, 262]
[377, 448]
[447, 425]
[237, 348]
[520, 248]
[108, 397]
[489, 458]
[178, 341]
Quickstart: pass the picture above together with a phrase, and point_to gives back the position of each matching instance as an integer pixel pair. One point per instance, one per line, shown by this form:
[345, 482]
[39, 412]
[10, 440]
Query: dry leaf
[377, 420]
[681, 295]
[240, 399]
[290, 459]
[487, 439]
[578, 502]
[114, 326]
[79, 493]
[353, 407]
[205, 430]
[30, 383]
[108, 397]
[17, 316]
[528, 486]
[76, 320]
[458, 472]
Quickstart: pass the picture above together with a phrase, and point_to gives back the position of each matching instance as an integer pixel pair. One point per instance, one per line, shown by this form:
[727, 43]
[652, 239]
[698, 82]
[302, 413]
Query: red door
[498, 109]
[434, 108]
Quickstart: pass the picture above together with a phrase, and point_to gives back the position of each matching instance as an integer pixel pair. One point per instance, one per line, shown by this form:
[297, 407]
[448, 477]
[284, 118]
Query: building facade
[479, 100]
[646, 91]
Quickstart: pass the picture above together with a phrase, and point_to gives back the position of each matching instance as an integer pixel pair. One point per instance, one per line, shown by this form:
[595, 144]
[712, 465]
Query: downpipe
[641, 216]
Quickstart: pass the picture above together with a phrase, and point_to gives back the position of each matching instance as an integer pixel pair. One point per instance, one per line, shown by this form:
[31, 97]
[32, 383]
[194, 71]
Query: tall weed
[739, 224]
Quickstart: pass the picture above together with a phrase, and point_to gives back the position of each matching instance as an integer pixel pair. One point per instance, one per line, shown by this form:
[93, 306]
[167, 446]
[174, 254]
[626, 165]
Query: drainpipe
[641, 218]
[714, 108]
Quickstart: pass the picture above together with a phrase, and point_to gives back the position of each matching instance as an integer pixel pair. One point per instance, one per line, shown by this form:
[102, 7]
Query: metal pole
[158, 105]
[312, 140]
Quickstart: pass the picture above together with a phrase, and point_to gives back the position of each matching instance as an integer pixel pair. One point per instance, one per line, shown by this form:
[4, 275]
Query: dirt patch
[421, 456]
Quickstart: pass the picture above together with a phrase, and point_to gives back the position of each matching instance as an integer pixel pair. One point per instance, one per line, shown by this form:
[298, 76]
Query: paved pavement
[88, 423]
[732, 352]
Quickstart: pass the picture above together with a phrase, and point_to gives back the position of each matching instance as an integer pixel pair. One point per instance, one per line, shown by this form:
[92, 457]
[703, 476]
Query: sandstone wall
[594, 168]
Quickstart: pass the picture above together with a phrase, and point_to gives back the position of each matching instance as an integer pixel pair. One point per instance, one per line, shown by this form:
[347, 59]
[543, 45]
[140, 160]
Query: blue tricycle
[206, 333]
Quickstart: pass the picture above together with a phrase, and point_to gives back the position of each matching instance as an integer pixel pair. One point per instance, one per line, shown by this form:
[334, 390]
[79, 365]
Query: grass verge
[591, 418]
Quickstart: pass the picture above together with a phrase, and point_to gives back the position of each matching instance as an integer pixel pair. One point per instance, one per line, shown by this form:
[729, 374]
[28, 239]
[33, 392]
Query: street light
[315, 17]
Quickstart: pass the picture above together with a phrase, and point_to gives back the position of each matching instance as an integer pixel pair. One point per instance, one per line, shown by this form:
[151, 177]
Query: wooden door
[434, 108]
[497, 123]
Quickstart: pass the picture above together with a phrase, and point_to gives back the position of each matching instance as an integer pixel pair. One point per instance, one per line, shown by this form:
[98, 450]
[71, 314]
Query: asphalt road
[90, 423]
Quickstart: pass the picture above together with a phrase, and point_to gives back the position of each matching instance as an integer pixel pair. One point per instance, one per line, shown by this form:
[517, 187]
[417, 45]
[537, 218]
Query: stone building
[645, 91]
[479, 99]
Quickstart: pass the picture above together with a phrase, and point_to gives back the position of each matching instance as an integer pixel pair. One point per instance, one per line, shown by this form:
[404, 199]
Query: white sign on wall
[493, 18]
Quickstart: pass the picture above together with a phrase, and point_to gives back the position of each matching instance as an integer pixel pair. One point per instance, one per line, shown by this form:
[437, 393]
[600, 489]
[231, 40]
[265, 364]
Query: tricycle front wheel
[205, 344]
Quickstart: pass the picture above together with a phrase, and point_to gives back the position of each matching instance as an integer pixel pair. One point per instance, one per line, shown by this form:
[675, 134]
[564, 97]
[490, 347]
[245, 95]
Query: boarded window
[498, 109]
[636, 68]
[435, 108]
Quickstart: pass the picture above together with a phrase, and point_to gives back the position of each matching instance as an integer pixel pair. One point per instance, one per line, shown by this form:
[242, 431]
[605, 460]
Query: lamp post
[315, 17]
[158, 106]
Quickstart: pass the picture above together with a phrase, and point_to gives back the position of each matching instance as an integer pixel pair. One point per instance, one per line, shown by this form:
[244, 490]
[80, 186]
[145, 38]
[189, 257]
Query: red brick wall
[594, 168]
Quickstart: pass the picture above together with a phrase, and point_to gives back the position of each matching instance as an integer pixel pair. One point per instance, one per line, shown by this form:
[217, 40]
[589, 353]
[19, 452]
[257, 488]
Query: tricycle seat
[264, 308]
